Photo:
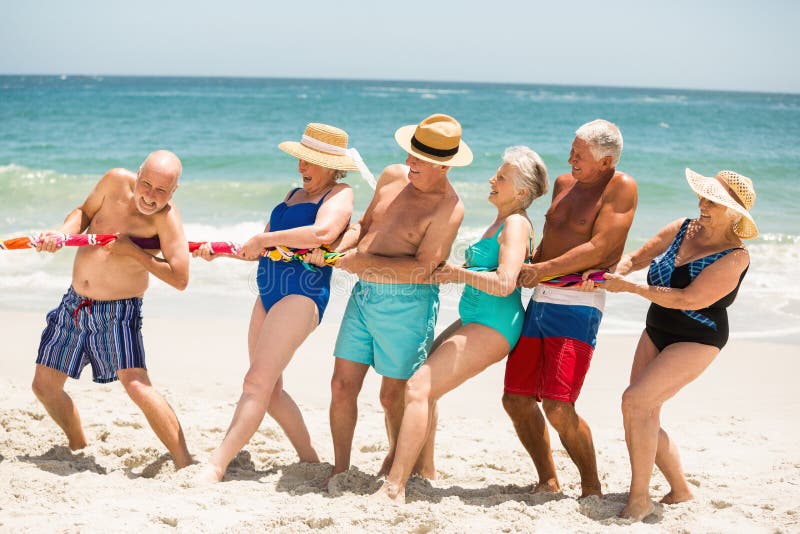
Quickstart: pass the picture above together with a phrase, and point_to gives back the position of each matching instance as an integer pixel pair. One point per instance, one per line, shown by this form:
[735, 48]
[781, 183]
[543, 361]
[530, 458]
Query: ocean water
[59, 134]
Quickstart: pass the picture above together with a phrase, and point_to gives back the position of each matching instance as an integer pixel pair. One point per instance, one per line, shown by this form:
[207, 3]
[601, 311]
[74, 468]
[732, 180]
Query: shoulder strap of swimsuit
[295, 190]
[325, 195]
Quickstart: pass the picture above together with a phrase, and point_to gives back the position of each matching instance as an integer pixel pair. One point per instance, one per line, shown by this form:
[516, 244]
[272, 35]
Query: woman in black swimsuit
[696, 267]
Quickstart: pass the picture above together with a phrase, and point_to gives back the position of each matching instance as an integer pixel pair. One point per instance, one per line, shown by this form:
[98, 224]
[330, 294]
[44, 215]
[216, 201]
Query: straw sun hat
[714, 190]
[437, 139]
[322, 145]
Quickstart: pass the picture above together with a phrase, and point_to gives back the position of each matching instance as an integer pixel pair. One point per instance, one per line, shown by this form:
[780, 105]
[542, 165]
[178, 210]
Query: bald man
[99, 319]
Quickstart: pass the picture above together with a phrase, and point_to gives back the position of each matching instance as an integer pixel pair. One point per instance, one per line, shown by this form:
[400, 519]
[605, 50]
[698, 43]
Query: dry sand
[736, 426]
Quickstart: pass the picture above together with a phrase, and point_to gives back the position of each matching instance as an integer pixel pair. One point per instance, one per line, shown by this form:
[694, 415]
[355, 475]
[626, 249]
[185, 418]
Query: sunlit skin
[585, 227]
[405, 233]
[130, 205]
[658, 376]
[274, 336]
[461, 351]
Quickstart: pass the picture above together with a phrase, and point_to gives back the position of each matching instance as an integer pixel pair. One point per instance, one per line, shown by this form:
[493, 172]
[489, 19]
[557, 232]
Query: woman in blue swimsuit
[696, 267]
[291, 298]
[490, 308]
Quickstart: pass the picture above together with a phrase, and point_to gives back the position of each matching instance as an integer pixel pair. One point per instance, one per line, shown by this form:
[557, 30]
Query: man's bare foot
[428, 472]
[208, 474]
[184, 461]
[588, 491]
[389, 493]
[637, 509]
[323, 485]
[386, 466]
[77, 444]
[548, 486]
[674, 497]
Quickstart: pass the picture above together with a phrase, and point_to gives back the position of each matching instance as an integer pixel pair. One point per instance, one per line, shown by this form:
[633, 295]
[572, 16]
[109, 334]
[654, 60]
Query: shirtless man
[406, 232]
[585, 228]
[99, 318]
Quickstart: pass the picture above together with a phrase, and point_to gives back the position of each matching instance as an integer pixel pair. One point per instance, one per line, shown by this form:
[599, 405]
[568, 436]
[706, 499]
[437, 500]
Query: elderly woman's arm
[642, 257]
[713, 283]
[331, 220]
[513, 241]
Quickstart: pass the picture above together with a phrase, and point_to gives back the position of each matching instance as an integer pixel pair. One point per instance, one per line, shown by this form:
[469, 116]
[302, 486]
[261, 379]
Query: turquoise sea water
[59, 134]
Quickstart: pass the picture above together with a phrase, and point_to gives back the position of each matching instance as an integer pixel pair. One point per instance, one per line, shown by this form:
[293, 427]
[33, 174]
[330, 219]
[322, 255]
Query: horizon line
[396, 80]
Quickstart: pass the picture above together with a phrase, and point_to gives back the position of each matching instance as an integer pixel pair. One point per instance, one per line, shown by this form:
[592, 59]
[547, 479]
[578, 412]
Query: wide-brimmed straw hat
[322, 145]
[742, 188]
[437, 139]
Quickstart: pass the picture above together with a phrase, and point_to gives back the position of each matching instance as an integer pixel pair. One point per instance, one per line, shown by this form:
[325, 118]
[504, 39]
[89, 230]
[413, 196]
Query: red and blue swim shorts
[552, 357]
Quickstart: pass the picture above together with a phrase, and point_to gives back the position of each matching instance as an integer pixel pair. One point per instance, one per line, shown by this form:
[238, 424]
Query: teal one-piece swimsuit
[504, 314]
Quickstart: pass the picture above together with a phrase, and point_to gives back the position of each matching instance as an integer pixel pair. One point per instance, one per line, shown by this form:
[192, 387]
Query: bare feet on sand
[674, 497]
[588, 491]
[208, 474]
[389, 493]
[548, 486]
[637, 509]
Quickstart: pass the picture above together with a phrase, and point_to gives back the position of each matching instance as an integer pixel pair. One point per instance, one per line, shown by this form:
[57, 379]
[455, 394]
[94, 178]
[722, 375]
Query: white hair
[604, 139]
[531, 174]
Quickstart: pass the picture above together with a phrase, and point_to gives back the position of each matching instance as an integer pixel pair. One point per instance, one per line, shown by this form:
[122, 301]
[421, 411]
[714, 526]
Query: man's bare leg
[532, 432]
[393, 401]
[348, 377]
[48, 386]
[158, 412]
[576, 437]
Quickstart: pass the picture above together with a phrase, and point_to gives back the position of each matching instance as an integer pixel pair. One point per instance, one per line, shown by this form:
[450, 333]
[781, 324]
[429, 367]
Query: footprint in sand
[720, 505]
[131, 424]
[374, 447]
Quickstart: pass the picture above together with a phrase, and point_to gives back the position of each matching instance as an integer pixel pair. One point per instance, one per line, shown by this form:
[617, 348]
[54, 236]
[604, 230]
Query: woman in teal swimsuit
[490, 308]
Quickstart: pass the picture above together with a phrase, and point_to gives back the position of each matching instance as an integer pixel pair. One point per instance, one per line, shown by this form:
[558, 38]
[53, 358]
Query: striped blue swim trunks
[104, 333]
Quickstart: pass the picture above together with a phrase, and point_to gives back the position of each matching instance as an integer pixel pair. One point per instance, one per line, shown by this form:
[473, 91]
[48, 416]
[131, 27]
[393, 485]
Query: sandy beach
[736, 426]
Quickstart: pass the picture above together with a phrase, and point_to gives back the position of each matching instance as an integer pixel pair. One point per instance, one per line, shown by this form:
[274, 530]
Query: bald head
[156, 181]
[163, 163]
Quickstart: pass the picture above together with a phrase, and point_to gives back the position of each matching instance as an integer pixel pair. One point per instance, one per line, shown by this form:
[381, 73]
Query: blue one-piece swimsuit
[665, 326]
[276, 279]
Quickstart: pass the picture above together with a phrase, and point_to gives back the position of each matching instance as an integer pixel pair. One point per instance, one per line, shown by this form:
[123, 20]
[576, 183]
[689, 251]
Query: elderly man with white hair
[585, 228]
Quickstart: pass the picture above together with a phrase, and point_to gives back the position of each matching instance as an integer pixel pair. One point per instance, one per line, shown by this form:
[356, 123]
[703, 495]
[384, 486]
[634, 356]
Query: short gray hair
[339, 174]
[531, 172]
[604, 139]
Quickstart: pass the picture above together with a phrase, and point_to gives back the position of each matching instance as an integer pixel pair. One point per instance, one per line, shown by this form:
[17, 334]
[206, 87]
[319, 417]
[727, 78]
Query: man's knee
[344, 387]
[559, 413]
[517, 406]
[135, 382]
[392, 394]
[46, 382]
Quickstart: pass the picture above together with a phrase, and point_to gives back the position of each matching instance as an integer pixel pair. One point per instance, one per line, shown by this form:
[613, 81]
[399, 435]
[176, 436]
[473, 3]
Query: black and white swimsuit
[666, 326]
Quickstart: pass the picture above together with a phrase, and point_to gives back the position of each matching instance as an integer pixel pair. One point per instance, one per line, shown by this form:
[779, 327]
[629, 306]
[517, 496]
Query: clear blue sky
[736, 45]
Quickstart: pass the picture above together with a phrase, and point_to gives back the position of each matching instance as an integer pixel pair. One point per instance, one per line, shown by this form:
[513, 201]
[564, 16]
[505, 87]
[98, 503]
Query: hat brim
[462, 158]
[711, 189]
[330, 161]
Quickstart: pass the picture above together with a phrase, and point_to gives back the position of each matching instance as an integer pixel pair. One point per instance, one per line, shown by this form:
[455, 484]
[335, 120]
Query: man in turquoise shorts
[406, 232]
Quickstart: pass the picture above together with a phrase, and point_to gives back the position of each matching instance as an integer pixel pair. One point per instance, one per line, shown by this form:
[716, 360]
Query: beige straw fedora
[322, 145]
[741, 186]
[437, 139]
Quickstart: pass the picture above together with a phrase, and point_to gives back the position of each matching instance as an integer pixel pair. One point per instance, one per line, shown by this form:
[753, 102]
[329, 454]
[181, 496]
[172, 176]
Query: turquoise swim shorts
[389, 327]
